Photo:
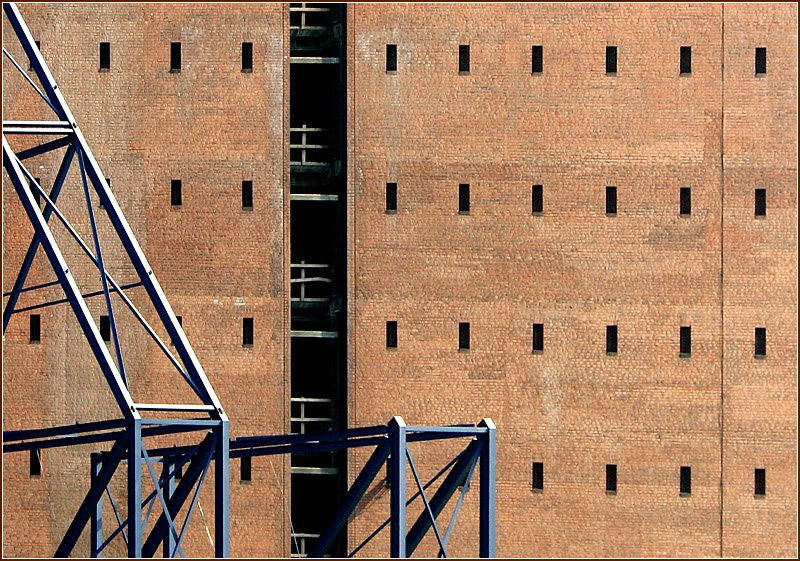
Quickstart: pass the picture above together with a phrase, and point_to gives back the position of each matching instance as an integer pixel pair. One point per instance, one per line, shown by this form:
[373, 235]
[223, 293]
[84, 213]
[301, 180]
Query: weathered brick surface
[574, 130]
[210, 126]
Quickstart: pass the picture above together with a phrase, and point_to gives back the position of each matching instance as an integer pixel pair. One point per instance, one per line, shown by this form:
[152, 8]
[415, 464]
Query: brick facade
[722, 130]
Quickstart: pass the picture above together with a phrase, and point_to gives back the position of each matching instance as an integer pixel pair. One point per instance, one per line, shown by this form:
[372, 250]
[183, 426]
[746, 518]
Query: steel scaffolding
[205, 419]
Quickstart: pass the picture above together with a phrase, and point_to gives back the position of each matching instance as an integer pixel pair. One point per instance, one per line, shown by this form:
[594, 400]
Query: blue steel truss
[205, 419]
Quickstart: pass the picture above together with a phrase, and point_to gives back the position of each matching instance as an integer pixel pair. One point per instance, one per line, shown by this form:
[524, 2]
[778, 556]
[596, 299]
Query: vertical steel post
[96, 535]
[167, 466]
[135, 488]
[397, 442]
[222, 543]
[488, 497]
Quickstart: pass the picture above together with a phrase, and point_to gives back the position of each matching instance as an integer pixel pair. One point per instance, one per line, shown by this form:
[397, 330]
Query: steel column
[222, 492]
[135, 529]
[487, 483]
[397, 440]
[167, 467]
[96, 535]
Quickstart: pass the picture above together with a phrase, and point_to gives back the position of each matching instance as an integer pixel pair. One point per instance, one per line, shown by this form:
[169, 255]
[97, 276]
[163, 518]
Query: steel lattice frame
[128, 433]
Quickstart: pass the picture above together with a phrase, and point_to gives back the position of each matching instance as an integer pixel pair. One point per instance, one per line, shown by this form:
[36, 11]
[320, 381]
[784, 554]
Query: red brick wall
[574, 130]
[211, 126]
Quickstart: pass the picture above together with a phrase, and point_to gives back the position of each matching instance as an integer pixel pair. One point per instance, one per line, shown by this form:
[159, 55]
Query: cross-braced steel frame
[205, 418]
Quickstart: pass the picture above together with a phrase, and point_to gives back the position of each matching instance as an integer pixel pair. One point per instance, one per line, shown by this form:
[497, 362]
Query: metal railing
[315, 411]
[301, 540]
[309, 146]
[311, 289]
[308, 16]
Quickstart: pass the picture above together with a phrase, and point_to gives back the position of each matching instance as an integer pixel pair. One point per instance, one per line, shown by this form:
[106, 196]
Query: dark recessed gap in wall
[35, 328]
[391, 334]
[611, 339]
[175, 57]
[176, 192]
[463, 336]
[247, 57]
[391, 198]
[246, 469]
[391, 58]
[686, 341]
[686, 481]
[35, 464]
[247, 332]
[686, 60]
[611, 479]
[105, 328]
[463, 59]
[247, 194]
[537, 477]
[463, 198]
[761, 202]
[537, 59]
[761, 60]
[760, 482]
[538, 337]
[611, 59]
[686, 201]
[537, 199]
[611, 200]
[105, 57]
[760, 342]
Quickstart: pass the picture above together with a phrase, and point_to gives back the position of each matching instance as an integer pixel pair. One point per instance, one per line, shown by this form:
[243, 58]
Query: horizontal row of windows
[392, 340]
[612, 58]
[537, 200]
[464, 198]
[612, 338]
[684, 480]
[537, 58]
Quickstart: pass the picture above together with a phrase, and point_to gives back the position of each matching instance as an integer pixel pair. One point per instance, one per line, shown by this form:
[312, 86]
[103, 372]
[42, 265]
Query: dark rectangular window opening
[611, 59]
[538, 337]
[463, 336]
[537, 61]
[611, 479]
[686, 481]
[686, 341]
[761, 202]
[391, 58]
[686, 201]
[463, 198]
[180, 320]
[760, 483]
[463, 59]
[611, 201]
[246, 469]
[391, 198]
[686, 60]
[175, 192]
[38, 48]
[391, 334]
[37, 196]
[761, 60]
[611, 339]
[105, 328]
[247, 57]
[175, 57]
[247, 332]
[537, 477]
[35, 328]
[761, 342]
[537, 199]
[247, 195]
[35, 463]
[105, 57]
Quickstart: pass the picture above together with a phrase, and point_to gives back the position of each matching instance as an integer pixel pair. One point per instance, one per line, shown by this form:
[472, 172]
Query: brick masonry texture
[723, 131]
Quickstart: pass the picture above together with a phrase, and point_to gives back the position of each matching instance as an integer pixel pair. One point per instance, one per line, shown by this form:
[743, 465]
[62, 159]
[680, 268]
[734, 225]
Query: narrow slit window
[463, 336]
[38, 48]
[105, 57]
[246, 469]
[105, 328]
[761, 60]
[463, 59]
[760, 483]
[611, 59]
[611, 201]
[175, 57]
[463, 198]
[538, 337]
[611, 339]
[611, 479]
[686, 340]
[537, 59]
[35, 463]
[761, 342]
[761, 202]
[391, 198]
[247, 57]
[686, 201]
[176, 195]
[247, 332]
[537, 477]
[37, 196]
[35, 328]
[537, 199]
[391, 334]
[180, 320]
[686, 481]
[686, 60]
[247, 195]
[391, 58]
